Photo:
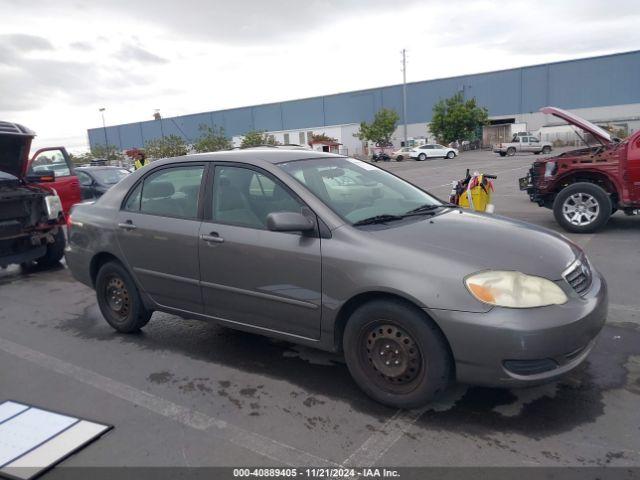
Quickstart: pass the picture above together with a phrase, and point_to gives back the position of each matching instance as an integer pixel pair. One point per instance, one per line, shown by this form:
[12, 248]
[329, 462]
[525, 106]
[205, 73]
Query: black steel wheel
[119, 299]
[396, 354]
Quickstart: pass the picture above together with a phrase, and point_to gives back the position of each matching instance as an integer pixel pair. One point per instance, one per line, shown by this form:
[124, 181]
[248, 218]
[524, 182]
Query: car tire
[511, 151]
[119, 299]
[451, 155]
[425, 366]
[502, 154]
[422, 157]
[536, 153]
[55, 251]
[582, 207]
[546, 150]
[399, 158]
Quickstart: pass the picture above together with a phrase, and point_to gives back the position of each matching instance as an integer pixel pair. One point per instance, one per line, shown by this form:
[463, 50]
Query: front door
[632, 175]
[158, 229]
[66, 183]
[251, 275]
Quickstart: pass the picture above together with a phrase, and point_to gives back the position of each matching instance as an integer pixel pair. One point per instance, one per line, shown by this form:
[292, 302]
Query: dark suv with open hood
[31, 211]
[585, 187]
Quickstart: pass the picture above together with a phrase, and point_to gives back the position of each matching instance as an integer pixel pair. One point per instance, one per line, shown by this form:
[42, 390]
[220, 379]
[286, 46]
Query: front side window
[357, 190]
[172, 192]
[84, 179]
[52, 160]
[245, 197]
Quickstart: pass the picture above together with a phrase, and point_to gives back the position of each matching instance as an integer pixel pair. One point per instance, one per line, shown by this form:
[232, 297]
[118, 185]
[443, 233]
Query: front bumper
[520, 347]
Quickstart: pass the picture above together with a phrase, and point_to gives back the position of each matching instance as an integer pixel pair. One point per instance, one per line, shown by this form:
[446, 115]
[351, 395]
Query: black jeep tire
[595, 202]
[119, 299]
[55, 251]
[396, 354]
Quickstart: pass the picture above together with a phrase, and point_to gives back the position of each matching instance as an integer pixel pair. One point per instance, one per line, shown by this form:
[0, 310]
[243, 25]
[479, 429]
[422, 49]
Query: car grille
[578, 275]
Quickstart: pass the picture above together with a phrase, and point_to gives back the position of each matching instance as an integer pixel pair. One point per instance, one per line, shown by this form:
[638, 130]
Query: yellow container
[480, 196]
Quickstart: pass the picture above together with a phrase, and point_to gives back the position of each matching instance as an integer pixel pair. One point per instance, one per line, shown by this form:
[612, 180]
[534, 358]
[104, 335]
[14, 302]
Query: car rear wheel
[119, 300]
[399, 158]
[451, 154]
[546, 149]
[422, 157]
[55, 251]
[511, 152]
[396, 354]
[582, 207]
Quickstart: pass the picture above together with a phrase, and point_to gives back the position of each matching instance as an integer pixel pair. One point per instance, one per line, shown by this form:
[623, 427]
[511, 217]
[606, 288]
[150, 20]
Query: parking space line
[254, 442]
[380, 442]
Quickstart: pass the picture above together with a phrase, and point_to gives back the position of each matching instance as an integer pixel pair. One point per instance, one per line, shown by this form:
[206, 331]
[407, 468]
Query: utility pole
[104, 128]
[404, 96]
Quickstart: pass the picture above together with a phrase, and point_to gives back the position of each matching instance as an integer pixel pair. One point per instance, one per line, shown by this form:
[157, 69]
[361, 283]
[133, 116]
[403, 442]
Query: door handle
[127, 225]
[212, 237]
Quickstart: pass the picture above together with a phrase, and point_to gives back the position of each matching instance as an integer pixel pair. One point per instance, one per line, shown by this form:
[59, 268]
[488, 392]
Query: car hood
[600, 133]
[15, 143]
[477, 241]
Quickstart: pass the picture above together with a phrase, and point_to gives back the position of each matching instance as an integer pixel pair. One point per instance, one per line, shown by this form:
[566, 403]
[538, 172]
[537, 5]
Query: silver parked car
[338, 254]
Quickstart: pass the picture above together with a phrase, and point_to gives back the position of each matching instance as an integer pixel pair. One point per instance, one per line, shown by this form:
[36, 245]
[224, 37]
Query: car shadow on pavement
[534, 412]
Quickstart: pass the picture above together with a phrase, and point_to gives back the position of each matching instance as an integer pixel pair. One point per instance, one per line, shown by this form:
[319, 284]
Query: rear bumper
[521, 347]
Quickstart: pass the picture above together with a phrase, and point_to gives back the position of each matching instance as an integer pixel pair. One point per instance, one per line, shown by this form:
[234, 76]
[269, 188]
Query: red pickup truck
[585, 187]
[36, 194]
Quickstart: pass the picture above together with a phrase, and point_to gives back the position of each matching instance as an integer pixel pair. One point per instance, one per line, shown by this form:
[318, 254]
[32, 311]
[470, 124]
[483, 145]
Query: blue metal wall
[592, 82]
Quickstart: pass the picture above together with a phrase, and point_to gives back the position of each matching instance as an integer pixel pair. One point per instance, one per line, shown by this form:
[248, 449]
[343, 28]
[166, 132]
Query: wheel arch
[360, 299]
[601, 179]
[97, 261]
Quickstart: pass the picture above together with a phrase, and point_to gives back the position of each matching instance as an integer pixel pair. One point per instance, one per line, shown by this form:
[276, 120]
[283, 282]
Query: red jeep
[35, 196]
[585, 187]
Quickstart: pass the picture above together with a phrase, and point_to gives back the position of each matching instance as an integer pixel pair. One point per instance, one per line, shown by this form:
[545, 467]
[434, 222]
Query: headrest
[158, 189]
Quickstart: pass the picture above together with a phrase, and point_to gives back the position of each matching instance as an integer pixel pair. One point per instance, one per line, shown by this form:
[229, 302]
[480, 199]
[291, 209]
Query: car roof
[271, 155]
[100, 167]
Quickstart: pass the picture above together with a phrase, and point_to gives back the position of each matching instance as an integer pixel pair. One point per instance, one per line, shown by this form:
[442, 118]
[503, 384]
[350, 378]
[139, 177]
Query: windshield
[110, 176]
[356, 190]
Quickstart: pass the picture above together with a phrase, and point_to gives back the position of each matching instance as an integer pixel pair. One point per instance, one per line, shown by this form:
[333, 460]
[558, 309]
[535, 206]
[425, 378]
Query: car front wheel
[399, 158]
[582, 207]
[119, 300]
[55, 251]
[396, 354]
[511, 152]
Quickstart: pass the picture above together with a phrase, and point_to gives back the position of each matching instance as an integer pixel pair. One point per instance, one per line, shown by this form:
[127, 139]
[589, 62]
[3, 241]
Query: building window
[286, 139]
[301, 138]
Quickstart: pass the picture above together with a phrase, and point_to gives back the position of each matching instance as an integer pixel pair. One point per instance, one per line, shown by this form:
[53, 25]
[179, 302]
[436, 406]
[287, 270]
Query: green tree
[380, 130]
[211, 139]
[169, 146]
[255, 138]
[457, 119]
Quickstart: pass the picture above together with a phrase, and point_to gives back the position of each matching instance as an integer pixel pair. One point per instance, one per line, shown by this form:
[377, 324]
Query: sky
[63, 60]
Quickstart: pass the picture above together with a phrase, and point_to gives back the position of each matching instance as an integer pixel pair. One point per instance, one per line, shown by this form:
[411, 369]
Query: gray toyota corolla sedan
[335, 253]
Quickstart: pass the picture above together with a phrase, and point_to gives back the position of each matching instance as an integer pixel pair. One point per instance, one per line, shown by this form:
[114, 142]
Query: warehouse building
[603, 89]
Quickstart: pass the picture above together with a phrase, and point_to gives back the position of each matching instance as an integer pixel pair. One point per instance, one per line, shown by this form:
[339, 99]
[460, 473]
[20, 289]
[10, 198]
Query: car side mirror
[41, 176]
[289, 222]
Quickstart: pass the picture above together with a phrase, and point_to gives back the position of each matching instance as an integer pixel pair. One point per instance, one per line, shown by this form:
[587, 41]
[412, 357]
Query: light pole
[404, 95]
[104, 128]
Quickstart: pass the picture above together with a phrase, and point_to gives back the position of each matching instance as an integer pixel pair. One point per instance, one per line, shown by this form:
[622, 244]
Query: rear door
[66, 183]
[251, 275]
[158, 227]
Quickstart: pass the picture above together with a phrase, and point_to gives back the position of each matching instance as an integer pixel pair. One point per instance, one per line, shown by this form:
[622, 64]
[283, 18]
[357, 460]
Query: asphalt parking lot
[190, 393]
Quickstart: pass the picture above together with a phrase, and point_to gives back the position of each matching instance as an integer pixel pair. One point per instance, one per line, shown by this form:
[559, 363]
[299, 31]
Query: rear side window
[133, 200]
[172, 192]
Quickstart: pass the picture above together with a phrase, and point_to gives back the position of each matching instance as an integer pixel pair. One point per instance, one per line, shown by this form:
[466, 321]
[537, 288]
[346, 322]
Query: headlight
[54, 206]
[550, 169]
[514, 289]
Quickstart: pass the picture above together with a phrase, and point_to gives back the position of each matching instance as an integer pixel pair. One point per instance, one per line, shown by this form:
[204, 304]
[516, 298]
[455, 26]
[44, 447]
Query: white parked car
[401, 154]
[432, 150]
